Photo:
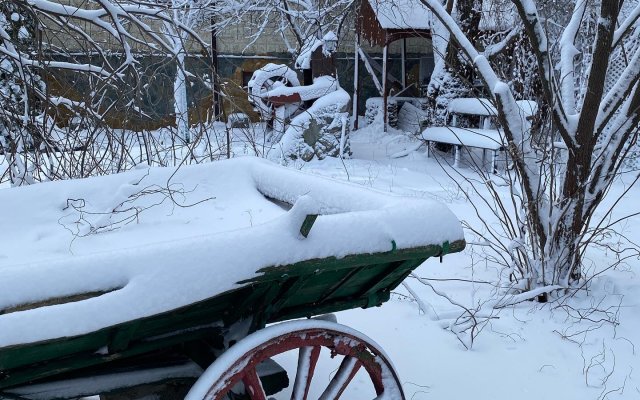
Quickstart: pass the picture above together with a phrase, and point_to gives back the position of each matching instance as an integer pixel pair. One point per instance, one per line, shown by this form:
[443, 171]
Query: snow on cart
[178, 298]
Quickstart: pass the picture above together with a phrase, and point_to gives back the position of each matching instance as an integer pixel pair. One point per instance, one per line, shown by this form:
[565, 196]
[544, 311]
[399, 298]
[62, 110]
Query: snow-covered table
[485, 139]
[212, 252]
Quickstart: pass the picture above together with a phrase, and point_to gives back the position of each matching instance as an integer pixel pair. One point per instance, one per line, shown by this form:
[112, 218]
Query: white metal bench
[485, 139]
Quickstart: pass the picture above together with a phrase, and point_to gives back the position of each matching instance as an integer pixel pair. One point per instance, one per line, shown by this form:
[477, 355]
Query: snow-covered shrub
[443, 88]
[238, 120]
[554, 212]
[373, 110]
[392, 113]
[319, 132]
[20, 86]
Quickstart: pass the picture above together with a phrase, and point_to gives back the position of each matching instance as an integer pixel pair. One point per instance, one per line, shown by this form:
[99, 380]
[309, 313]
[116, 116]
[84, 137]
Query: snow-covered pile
[321, 130]
[71, 237]
[321, 86]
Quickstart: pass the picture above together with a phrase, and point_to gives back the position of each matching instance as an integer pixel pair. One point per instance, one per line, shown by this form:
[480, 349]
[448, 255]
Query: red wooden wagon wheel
[309, 337]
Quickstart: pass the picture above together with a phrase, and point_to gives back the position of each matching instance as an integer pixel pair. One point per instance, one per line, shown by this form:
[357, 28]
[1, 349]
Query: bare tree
[565, 161]
[194, 14]
[99, 45]
[297, 22]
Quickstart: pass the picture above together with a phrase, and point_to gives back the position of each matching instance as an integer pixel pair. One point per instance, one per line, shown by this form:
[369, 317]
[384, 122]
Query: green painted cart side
[200, 331]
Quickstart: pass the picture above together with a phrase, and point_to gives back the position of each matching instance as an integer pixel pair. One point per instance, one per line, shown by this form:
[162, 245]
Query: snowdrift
[156, 239]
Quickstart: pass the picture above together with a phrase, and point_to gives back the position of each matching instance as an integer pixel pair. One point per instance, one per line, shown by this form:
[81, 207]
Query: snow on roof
[401, 14]
[172, 256]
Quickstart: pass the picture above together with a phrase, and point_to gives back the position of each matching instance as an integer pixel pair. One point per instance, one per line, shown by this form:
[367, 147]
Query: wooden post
[404, 63]
[356, 81]
[384, 86]
[307, 224]
[217, 107]
[279, 123]
[370, 70]
[494, 159]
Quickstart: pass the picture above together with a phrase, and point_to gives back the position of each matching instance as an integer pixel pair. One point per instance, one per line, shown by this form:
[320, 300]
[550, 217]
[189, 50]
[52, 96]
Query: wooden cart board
[186, 299]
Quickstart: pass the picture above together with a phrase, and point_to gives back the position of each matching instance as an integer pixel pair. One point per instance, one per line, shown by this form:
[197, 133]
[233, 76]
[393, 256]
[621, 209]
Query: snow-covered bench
[485, 139]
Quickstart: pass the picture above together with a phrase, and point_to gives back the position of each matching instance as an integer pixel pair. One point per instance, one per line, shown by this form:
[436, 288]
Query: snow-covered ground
[528, 351]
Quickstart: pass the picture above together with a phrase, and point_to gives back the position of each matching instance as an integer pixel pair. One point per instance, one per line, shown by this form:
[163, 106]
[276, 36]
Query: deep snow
[528, 351]
[159, 262]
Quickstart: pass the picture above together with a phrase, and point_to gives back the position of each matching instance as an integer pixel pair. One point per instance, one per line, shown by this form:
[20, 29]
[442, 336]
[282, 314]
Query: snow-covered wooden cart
[152, 319]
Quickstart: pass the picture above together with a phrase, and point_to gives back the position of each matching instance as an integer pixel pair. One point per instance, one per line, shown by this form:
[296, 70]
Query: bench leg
[428, 148]
[456, 157]
[494, 158]
[484, 158]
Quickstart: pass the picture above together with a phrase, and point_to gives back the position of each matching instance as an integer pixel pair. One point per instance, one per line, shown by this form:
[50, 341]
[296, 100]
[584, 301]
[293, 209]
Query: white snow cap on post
[330, 43]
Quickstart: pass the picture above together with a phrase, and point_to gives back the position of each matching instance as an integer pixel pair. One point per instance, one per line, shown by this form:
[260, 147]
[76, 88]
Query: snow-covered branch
[568, 52]
[497, 48]
[618, 92]
[626, 25]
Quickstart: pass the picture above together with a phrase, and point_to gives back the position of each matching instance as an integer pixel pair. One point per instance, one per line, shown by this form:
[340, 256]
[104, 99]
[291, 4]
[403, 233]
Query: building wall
[239, 56]
[235, 38]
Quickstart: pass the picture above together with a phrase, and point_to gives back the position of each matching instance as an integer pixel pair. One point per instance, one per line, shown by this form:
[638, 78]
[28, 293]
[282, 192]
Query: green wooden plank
[317, 287]
[385, 280]
[307, 224]
[266, 307]
[122, 337]
[351, 261]
[363, 280]
[292, 289]
[340, 283]
[325, 308]
[25, 375]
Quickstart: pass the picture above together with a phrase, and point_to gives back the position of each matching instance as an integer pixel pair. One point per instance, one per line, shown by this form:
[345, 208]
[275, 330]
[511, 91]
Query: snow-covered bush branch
[567, 157]
[51, 133]
[296, 22]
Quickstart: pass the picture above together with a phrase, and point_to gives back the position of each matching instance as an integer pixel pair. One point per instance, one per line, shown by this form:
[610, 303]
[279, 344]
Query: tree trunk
[180, 98]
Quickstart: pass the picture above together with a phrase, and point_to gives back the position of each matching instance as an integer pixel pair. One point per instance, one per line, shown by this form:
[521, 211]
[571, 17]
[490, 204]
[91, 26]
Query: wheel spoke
[307, 360]
[253, 386]
[348, 369]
